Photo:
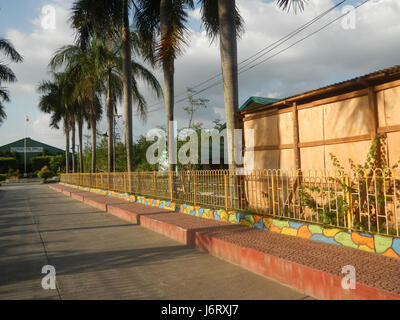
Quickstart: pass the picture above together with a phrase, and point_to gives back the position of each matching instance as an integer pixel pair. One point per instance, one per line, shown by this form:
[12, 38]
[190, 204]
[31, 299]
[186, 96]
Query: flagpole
[26, 132]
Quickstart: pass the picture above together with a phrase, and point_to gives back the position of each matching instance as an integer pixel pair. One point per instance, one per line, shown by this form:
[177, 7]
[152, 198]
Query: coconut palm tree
[6, 74]
[53, 101]
[221, 17]
[107, 18]
[112, 68]
[108, 64]
[161, 26]
[83, 75]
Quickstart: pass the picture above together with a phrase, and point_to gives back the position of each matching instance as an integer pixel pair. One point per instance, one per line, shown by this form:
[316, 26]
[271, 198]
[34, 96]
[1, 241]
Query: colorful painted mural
[384, 245]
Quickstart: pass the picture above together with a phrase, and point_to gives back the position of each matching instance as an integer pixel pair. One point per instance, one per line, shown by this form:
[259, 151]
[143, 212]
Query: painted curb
[311, 281]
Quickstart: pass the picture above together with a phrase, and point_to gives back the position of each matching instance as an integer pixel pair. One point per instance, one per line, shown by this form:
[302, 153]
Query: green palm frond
[210, 18]
[7, 48]
[148, 77]
[4, 94]
[157, 47]
[6, 74]
[292, 4]
[96, 18]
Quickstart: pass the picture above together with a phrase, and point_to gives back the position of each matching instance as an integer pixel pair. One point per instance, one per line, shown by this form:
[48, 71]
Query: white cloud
[36, 47]
[331, 55]
[40, 130]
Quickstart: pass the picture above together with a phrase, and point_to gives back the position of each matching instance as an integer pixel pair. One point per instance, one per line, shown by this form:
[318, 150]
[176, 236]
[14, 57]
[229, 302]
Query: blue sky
[330, 56]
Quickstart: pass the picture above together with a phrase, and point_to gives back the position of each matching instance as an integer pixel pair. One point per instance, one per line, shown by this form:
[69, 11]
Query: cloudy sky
[334, 54]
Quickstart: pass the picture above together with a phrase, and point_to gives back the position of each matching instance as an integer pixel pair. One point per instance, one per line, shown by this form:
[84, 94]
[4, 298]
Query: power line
[274, 45]
[304, 38]
[274, 55]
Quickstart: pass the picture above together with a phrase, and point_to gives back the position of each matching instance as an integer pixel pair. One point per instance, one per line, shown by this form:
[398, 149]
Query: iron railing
[367, 201]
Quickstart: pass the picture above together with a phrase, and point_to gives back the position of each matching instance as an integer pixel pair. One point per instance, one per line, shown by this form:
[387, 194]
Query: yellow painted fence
[367, 201]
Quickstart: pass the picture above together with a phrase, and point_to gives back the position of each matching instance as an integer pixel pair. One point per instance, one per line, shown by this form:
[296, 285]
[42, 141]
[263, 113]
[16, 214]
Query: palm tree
[96, 18]
[6, 74]
[107, 64]
[162, 28]
[82, 72]
[221, 17]
[53, 101]
[112, 67]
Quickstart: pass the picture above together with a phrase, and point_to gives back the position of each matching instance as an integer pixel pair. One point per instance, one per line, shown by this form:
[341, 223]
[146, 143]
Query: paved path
[98, 256]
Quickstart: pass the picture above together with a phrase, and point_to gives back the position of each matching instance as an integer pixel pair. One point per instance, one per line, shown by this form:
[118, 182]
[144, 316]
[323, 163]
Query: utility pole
[26, 134]
[116, 116]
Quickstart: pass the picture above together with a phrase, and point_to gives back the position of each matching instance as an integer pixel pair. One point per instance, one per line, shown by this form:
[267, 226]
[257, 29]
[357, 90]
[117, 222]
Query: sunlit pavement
[97, 256]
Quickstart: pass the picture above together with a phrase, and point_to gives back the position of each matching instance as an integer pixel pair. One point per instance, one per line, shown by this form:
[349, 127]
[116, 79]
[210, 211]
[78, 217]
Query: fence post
[124, 175]
[170, 185]
[273, 193]
[154, 184]
[349, 203]
[194, 189]
[226, 180]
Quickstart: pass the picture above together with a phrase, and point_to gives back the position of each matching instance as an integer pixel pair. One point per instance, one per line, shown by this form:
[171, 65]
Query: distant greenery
[39, 162]
[139, 156]
[57, 163]
[7, 164]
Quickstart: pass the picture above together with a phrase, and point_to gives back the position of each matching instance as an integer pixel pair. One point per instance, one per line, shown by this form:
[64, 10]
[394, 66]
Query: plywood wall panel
[347, 118]
[268, 159]
[265, 130]
[285, 125]
[311, 124]
[393, 145]
[381, 109]
[312, 158]
[287, 159]
[391, 98]
[357, 151]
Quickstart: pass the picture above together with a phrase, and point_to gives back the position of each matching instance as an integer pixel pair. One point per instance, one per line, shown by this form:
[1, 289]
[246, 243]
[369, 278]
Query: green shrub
[45, 173]
[56, 163]
[40, 162]
[7, 164]
[3, 177]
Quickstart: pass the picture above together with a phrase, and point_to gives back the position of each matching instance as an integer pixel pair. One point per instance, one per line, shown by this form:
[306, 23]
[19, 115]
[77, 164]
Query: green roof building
[33, 149]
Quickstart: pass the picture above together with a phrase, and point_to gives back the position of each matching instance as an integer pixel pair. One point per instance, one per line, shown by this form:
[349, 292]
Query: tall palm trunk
[228, 48]
[127, 73]
[93, 131]
[73, 146]
[168, 69]
[169, 110]
[67, 149]
[110, 126]
[80, 134]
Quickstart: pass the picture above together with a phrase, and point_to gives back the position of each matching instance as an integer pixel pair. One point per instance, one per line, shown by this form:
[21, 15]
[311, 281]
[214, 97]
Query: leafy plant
[365, 187]
[45, 173]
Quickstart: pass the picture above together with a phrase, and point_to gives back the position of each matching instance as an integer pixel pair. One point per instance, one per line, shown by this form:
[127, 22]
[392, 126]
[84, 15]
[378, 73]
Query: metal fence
[366, 201]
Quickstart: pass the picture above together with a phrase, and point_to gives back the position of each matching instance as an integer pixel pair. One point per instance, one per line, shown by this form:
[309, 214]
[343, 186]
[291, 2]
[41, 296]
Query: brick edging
[311, 281]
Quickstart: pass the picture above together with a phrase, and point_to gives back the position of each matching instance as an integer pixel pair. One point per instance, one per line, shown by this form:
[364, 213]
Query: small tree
[45, 173]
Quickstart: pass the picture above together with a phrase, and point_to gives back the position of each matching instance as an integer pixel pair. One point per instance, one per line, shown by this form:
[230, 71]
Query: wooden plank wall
[304, 135]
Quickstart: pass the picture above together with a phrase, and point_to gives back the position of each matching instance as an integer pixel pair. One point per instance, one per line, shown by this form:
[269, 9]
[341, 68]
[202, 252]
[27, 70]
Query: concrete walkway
[98, 256]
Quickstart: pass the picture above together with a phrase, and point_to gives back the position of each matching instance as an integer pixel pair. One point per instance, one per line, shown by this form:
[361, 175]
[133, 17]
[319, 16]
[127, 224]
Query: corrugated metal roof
[257, 100]
[385, 73]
